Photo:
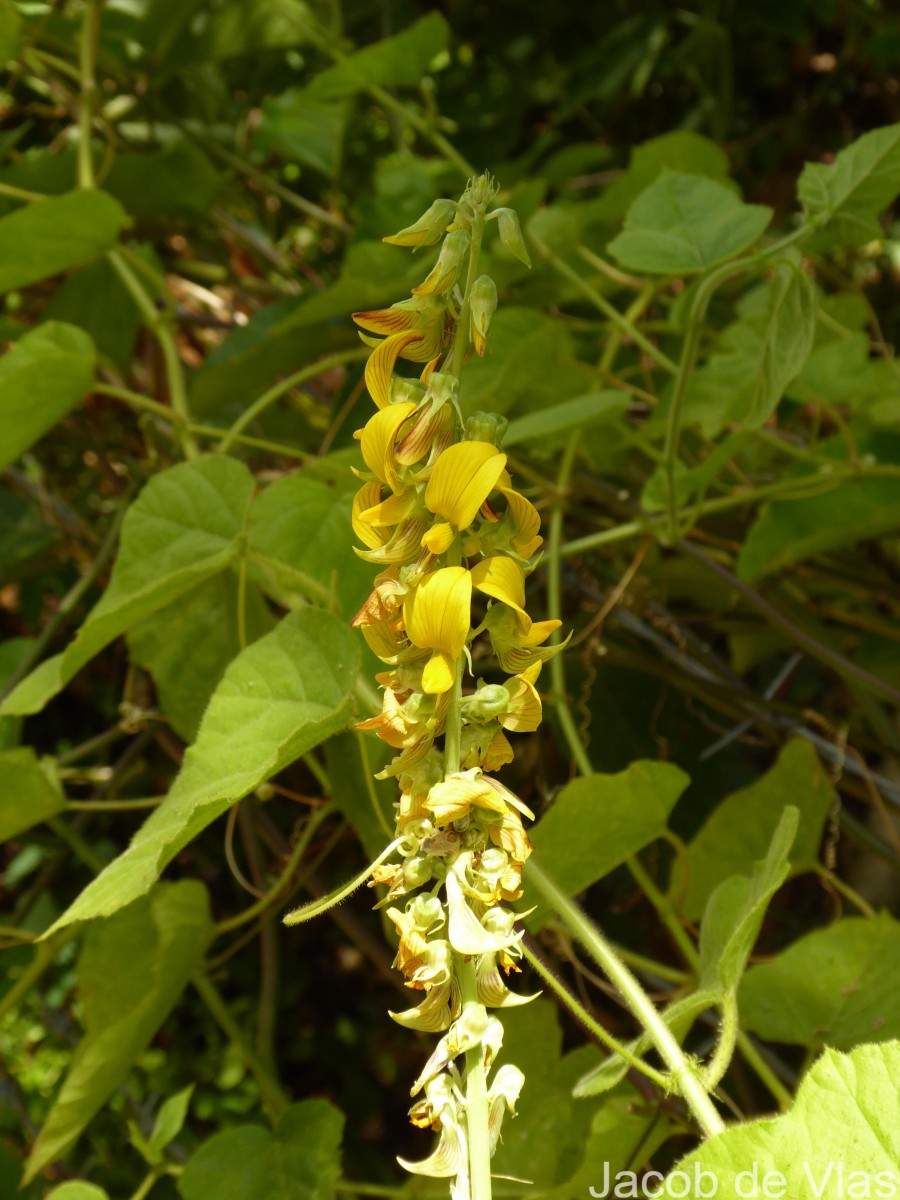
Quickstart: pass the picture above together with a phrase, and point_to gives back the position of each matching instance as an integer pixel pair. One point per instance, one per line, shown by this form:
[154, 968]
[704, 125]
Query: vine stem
[689, 350]
[684, 1075]
[87, 54]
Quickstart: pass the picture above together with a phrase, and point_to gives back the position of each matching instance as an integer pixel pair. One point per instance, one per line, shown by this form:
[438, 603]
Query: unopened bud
[483, 306]
[499, 920]
[511, 234]
[430, 227]
[487, 702]
[486, 427]
[416, 872]
[446, 269]
[426, 913]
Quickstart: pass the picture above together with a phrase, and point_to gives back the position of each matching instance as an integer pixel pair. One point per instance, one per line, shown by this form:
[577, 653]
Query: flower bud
[499, 920]
[486, 427]
[511, 234]
[416, 872]
[443, 274]
[426, 913]
[489, 701]
[429, 228]
[483, 305]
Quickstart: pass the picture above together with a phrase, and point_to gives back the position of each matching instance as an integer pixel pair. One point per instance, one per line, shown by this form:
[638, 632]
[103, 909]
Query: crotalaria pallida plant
[439, 515]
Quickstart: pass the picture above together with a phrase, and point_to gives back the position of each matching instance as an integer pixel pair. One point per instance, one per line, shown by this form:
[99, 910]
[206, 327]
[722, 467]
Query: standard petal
[463, 478]
[437, 613]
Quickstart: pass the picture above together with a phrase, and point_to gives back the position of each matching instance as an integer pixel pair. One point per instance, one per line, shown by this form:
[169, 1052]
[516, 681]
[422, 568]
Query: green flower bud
[511, 234]
[430, 227]
[483, 305]
[426, 912]
[417, 871]
[486, 427]
[489, 701]
[446, 269]
[499, 920]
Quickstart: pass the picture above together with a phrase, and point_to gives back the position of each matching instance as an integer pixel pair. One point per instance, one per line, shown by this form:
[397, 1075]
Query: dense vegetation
[698, 373]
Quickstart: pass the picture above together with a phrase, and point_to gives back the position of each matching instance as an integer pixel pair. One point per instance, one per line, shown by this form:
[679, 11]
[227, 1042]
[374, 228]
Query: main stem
[477, 1109]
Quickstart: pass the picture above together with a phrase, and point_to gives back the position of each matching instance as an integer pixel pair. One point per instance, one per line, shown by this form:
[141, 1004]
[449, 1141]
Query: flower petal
[525, 520]
[438, 538]
[365, 498]
[439, 674]
[503, 579]
[462, 479]
[437, 613]
[381, 362]
[379, 438]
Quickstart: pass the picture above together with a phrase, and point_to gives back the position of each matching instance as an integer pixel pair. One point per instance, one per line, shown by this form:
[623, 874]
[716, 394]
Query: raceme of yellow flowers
[455, 541]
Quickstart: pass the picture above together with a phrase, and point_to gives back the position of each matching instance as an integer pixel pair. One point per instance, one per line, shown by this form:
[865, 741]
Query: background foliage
[192, 199]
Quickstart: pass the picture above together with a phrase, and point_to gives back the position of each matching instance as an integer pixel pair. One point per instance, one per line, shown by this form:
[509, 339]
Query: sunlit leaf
[846, 196]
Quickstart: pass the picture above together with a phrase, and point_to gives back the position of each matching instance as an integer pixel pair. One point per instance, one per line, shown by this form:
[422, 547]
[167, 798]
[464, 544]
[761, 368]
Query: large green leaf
[48, 236]
[686, 223]
[734, 912]
[95, 299]
[398, 61]
[846, 196]
[184, 527]
[278, 699]
[612, 816]
[739, 831]
[299, 1161]
[759, 355]
[29, 789]
[187, 645]
[841, 1138]
[836, 986]
[301, 545]
[680, 150]
[131, 971]
[855, 510]
[43, 377]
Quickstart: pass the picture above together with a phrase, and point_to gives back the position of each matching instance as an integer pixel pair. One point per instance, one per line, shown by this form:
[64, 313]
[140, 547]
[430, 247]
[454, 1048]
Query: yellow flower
[503, 579]
[368, 494]
[437, 615]
[429, 228]
[517, 641]
[524, 712]
[378, 439]
[462, 479]
[438, 538]
[525, 521]
[445, 271]
[415, 331]
[381, 362]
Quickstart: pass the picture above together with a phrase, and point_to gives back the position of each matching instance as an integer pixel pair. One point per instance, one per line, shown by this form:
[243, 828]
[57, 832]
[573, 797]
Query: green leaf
[183, 528]
[398, 61]
[30, 791]
[681, 150]
[734, 912]
[840, 1139]
[177, 180]
[42, 378]
[187, 645]
[614, 816]
[301, 546]
[95, 299]
[760, 355]
[169, 1121]
[738, 833]
[130, 973]
[48, 236]
[10, 31]
[300, 1161]
[846, 196]
[685, 223]
[790, 531]
[301, 127]
[76, 1190]
[837, 986]
[278, 699]
[595, 408]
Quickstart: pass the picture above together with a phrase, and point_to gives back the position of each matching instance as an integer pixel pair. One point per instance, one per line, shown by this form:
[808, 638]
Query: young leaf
[299, 1161]
[130, 973]
[843, 1130]
[614, 816]
[183, 528]
[738, 833]
[734, 912]
[48, 236]
[43, 377]
[846, 196]
[169, 1120]
[75, 1189]
[30, 790]
[279, 698]
[837, 985]
[683, 224]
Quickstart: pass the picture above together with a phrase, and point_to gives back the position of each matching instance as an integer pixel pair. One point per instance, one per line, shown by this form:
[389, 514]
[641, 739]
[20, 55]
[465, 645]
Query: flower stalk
[454, 542]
